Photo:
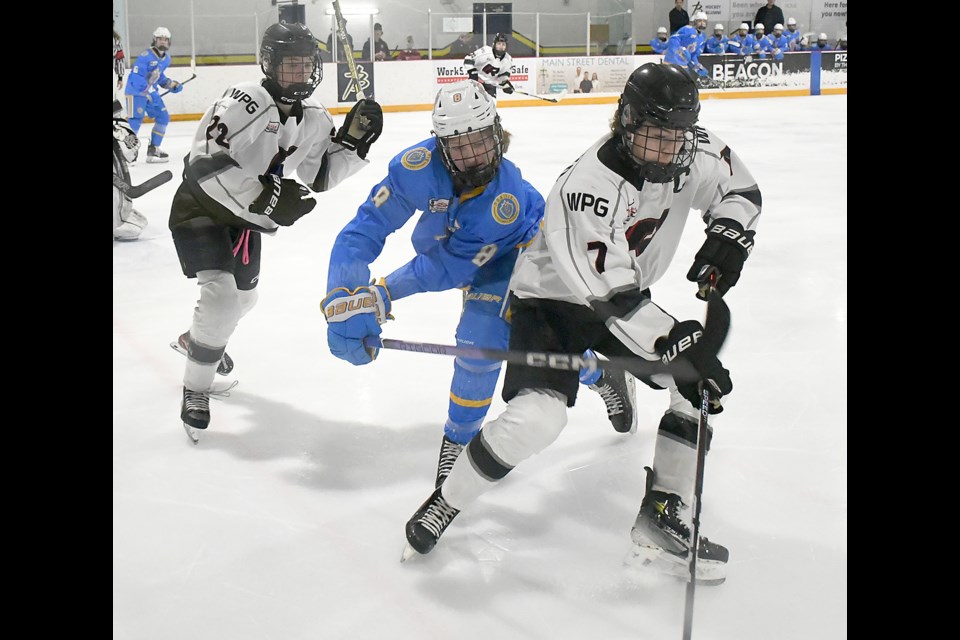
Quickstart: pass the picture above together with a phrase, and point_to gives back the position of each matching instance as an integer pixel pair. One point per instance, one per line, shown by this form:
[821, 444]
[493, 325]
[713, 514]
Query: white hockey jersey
[607, 234]
[243, 135]
[490, 68]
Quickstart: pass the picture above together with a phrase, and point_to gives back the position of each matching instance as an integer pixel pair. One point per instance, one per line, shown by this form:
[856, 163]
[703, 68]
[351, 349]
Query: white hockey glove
[129, 143]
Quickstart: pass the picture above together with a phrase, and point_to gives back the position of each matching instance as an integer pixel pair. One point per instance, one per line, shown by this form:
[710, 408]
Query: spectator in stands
[462, 46]
[381, 50]
[792, 35]
[769, 14]
[717, 43]
[678, 16]
[821, 44]
[410, 53]
[659, 44]
[736, 42]
[341, 56]
[842, 38]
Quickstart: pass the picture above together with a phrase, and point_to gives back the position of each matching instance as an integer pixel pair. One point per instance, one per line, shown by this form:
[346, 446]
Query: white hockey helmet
[468, 132]
[822, 36]
[717, 27]
[778, 27]
[759, 27]
[661, 30]
[791, 22]
[743, 27]
[161, 32]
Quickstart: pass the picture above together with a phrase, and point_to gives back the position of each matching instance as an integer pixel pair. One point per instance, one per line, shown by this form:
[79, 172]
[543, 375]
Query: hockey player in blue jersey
[717, 43]
[756, 43]
[659, 44]
[477, 215]
[738, 39]
[779, 42]
[684, 50]
[146, 78]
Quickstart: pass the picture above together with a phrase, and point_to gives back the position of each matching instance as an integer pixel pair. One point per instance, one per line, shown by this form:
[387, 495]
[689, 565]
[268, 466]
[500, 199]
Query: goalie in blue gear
[478, 213]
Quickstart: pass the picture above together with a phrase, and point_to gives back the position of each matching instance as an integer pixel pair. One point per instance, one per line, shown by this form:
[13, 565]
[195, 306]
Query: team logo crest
[416, 158]
[273, 127]
[439, 205]
[505, 208]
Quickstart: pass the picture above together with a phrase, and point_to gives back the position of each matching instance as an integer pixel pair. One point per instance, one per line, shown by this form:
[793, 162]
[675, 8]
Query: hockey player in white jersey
[235, 188]
[490, 65]
[612, 225]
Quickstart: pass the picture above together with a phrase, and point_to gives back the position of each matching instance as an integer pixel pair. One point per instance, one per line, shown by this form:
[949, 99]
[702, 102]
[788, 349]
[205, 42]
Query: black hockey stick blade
[533, 95]
[147, 185]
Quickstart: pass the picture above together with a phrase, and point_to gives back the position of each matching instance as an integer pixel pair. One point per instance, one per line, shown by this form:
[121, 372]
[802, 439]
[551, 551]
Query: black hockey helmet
[285, 40]
[500, 37]
[663, 96]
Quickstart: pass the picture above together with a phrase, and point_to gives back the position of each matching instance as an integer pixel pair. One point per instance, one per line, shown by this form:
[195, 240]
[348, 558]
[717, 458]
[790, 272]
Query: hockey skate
[616, 388]
[449, 451]
[182, 346]
[661, 541]
[195, 412]
[155, 154]
[427, 525]
[619, 395]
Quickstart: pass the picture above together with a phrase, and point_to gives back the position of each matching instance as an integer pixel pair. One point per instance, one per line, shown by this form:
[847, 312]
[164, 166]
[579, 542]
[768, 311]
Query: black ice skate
[428, 524]
[618, 393]
[661, 541]
[155, 154]
[182, 346]
[449, 451]
[195, 412]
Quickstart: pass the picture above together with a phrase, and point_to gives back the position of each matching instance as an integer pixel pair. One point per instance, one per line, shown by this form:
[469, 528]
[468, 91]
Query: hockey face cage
[659, 153]
[286, 65]
[473, 158]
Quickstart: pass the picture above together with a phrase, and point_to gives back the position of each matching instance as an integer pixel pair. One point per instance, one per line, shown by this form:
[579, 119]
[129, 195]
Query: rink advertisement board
[731, 71]
[595, 74]
[346, 89]
[447, 71]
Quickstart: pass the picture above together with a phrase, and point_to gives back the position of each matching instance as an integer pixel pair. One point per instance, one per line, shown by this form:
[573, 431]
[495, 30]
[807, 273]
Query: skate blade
[193, 434]
[653, 558]
[408, 552]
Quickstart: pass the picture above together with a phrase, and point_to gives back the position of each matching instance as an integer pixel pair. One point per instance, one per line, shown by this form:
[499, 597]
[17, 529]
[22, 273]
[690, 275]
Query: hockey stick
[347, 49]
[707, 280]
[714, 334]
[533, 95]
[181, 84]
[697, 492]
[147, 185]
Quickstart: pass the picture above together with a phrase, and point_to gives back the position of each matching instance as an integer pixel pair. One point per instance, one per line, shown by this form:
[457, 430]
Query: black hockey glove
[683, 341]
[473, 75]
[726, 249]
[283, 200]
[507, 87]
[361, 128]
